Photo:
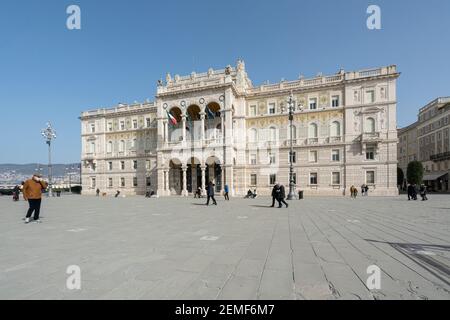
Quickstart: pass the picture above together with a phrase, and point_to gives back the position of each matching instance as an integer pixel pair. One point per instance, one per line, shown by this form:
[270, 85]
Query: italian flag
[172, 119]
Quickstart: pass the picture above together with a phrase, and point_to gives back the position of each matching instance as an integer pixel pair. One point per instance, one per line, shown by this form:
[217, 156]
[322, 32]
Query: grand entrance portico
[195, 128]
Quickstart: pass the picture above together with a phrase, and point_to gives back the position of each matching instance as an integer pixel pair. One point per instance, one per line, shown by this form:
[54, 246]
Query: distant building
[216, 126]
[427, 141]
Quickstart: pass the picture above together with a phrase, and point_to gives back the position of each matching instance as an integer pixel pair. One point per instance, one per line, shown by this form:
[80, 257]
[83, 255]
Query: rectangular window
[93, 182]
[252, 111]
[253, 179]
[293, 157]
[147, 165]
[92, 147]
[370, 96]
[148, 121]
[370, 177]
[135, 182]
[110, 166]
[135, 164]
[110, 126]
[313, 178]
[335, 101]
[92, 127]
[253, 158]
[110, 182]
[122, 165]
[313, 104]
[122, 182]
[336, 178]
[122, 125]
[313, 156]
[148, 181]
[135, 124]
[272, 179]
[335, 156]
[271, 108]
[272, 158]
[370, 153]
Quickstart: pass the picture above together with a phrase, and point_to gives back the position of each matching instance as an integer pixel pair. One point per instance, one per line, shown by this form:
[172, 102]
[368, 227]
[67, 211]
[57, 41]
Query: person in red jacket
[32, 192]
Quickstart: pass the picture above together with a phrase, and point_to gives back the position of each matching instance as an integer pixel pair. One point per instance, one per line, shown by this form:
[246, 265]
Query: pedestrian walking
[210, 193]
[281, 195]
[32, 192]
[226, 193]
[410, 190]
[423, 192]
[98, 192]
[117, 194]
[274, 194]
[353, 192]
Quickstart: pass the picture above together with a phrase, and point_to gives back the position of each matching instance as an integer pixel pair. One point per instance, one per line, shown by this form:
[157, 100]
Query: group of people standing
[354, 191]
[413, 190]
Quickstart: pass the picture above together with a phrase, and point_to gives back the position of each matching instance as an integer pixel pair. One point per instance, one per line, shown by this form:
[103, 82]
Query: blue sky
[51, 73]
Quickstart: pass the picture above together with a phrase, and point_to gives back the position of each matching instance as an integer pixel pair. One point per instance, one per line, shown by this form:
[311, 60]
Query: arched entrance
[175, 177]
[193, 175]
[214, 172]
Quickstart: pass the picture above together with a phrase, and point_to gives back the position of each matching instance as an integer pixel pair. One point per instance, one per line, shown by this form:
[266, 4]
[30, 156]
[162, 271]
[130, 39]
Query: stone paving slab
[177, 248]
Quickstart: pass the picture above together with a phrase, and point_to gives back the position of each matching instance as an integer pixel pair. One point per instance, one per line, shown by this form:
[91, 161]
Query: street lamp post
[49, 134]
[291, 195]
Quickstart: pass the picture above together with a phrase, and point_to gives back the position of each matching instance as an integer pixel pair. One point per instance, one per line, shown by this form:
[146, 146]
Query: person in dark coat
[274, 194]
[281, 195]
[423, 192]
[410, 190]
[210, 193]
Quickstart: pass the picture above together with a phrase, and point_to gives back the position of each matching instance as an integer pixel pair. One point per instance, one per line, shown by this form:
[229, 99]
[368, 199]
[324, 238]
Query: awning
[434, 176]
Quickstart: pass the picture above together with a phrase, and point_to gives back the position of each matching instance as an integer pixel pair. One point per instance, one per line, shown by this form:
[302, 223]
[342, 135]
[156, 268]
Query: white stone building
[428, 141]
[216, 126]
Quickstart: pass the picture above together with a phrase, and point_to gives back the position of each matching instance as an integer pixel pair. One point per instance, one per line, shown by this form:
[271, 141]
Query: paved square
[177, 248]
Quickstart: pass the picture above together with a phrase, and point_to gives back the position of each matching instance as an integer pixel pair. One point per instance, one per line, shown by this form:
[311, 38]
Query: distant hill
[30, 169]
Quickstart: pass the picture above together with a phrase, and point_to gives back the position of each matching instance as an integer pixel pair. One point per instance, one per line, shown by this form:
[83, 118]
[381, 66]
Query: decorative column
[166, 132]
[184, 127]
[222, 178]
[222, 128]
[203, 168]
[202, 134]
[184, 192]
[166, 173]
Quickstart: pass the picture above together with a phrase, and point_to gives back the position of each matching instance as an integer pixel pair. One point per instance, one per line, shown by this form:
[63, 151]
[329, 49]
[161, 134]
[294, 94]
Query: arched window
[335, 129]
[109, 147]
[253, 135]
[122, 146]
[272, 134]
[312, 133]
[369, 125]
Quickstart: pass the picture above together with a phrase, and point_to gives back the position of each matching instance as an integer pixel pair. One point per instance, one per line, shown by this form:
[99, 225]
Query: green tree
[400, 177]
[414, 173]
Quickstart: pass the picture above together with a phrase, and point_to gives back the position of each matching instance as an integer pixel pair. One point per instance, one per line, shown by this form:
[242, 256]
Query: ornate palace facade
[216, 126]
